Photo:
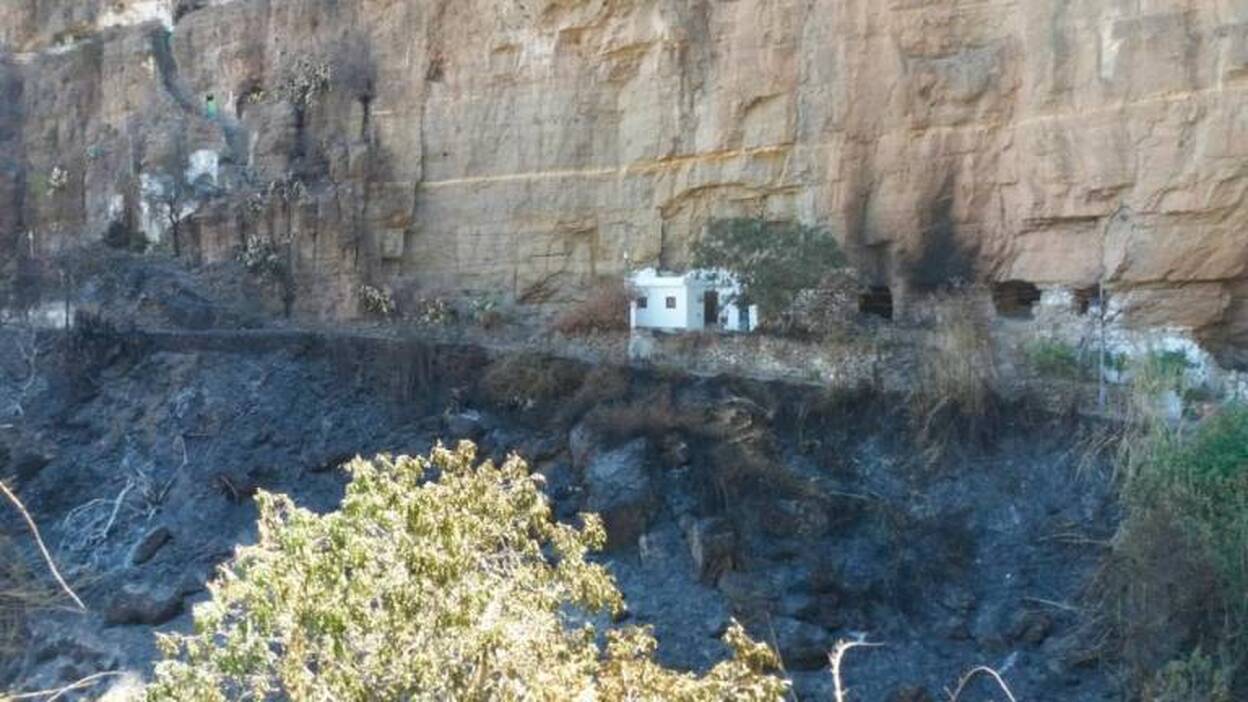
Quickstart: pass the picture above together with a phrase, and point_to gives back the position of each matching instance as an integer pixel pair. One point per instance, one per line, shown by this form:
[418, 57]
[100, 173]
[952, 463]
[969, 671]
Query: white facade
[695, 300]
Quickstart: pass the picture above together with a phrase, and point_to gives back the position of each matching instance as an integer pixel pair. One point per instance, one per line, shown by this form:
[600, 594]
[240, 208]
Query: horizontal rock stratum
[527, 146]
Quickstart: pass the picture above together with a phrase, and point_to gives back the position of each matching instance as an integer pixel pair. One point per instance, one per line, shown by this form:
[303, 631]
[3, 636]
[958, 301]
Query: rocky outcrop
[529, 146]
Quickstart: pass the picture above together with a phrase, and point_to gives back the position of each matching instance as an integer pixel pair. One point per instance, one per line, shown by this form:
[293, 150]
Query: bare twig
[59, 692]
[837, 656]
[163, 491]
[1053, 603]
[121, 496]
[34, 530]
[28, 351]
[981, 670]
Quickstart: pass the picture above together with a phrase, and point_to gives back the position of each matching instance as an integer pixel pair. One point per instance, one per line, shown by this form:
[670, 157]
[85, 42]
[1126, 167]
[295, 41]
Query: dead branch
[59, 692]
[1054, 604]
[34, 530]
[981, 670]
[112, 518]
[28, 352]
[837, 656]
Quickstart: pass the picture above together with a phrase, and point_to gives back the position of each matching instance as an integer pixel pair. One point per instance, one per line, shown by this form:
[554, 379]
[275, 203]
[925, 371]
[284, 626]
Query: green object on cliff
[210, 106]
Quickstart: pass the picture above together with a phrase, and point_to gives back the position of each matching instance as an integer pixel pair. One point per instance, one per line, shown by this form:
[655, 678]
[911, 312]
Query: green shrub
[1160, 371]
[1197, 677]
[458, 586]
[772, 261]
[1178, 574]
[1054, 359]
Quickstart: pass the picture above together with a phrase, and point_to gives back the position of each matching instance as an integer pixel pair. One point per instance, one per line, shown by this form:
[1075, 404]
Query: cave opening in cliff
[876, 301]
[1087, 299]
[1015, 299]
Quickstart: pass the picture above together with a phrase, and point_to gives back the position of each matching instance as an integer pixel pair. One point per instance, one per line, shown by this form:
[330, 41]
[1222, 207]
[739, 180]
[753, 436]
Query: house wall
[656, 315]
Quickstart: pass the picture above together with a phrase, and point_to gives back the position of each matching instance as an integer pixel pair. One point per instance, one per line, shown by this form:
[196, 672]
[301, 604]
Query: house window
[641, 303]
[671, 303]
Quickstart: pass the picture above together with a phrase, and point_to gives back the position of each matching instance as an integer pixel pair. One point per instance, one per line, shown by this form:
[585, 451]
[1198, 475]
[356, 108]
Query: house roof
[652, 277]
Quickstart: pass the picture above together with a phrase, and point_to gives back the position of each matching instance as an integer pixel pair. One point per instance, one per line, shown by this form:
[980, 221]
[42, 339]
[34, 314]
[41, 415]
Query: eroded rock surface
[527, 146]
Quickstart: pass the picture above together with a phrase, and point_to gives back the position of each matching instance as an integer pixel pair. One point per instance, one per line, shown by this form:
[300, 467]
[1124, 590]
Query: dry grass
[957, 377]
[22, 593]
[604, 309]
[653, 416]
[530, 381]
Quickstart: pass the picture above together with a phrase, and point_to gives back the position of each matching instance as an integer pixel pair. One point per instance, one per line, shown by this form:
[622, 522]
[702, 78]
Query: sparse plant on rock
[261, 257]
[57, 180]
[302, 80]
[432, 312]
[484, 310]
[438, 578]
[289, 188]
[377, 302]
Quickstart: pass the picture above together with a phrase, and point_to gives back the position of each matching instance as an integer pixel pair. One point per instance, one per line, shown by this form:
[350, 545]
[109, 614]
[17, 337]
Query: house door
[710, 308]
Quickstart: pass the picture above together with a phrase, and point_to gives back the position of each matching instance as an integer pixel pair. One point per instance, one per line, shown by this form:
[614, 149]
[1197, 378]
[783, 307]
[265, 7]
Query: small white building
[695, 300]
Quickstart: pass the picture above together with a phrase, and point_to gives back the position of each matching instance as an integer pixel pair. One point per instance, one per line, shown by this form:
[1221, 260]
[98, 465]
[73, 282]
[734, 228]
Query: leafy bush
[1054, 359]
[436, 579]
[605, 308]
[772, 261]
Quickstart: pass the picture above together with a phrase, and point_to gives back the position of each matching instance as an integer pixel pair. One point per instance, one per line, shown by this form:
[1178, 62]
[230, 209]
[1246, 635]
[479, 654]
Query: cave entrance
[1015, 299]
[1087, 299]
[876, 301]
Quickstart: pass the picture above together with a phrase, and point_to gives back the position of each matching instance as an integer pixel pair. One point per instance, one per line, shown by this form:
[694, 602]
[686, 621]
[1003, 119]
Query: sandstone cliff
[529, 145]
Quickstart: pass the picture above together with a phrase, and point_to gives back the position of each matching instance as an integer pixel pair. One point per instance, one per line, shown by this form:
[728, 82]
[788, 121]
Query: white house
[695, 300]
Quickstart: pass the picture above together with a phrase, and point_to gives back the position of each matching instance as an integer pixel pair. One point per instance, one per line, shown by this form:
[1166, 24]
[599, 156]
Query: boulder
[1030, 627]
[797, 518]
[803, 646]
[619, 489]
[583, 443]
[910, 693]
[143, 603]
[27, 465]
[151, 542]
[751, 592]
[464, 425]
[676, 451]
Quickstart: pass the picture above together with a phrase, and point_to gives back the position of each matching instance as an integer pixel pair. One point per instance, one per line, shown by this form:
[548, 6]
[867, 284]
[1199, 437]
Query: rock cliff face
[529, 145]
